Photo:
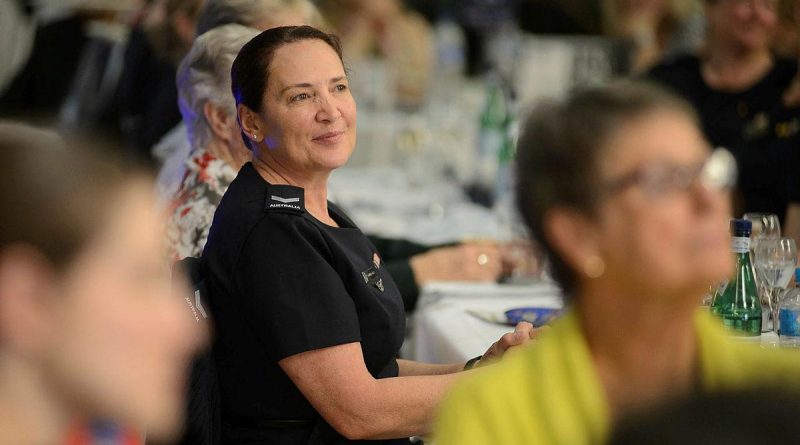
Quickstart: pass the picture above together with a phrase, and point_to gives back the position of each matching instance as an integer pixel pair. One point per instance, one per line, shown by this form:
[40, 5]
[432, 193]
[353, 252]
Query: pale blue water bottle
[790, 315]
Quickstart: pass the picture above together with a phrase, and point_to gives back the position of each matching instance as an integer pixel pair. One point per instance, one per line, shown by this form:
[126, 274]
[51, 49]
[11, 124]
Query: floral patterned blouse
[193, 207]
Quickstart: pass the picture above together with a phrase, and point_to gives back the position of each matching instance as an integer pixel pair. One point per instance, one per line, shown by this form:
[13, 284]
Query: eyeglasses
[717, 172]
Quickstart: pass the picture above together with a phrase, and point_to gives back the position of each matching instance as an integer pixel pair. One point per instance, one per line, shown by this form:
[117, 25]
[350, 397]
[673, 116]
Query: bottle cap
[741, 227]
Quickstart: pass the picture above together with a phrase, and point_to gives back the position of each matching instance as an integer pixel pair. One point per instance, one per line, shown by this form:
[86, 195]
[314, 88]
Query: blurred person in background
[16, 39]
[173, 150]
[88, 326]
[736, 60]
[620, 188]
[769, 158]
[308, 322]
[50, 56]
[218, 151]
[652, 28]
[258, 14]
[784, 138]
[737, 87]
[146, 97]
[385, 30]
[561, 16]
[90, 107]
[655, 28]
[787, 35]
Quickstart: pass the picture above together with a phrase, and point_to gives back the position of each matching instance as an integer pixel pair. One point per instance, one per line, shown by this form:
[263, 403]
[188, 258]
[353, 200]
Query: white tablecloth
[444, 332]
[385, 201]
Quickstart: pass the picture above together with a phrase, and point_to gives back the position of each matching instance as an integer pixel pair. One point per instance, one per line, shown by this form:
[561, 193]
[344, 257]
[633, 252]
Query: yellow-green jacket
[550, 393]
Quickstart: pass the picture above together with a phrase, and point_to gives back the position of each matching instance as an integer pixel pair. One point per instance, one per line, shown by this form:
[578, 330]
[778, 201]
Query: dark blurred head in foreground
[750, 417]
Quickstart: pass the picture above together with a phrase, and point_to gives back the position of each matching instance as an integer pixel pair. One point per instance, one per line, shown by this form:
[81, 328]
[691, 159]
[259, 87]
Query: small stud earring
[594, 267]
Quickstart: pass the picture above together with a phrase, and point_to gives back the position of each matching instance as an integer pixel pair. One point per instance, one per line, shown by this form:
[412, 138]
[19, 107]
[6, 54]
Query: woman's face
[120, 340]
[748, 24]
[653, 234]
[308, 113]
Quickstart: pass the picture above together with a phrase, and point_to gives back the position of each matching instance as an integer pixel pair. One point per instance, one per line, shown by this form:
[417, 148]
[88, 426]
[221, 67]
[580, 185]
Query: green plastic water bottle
[737, 304]
[495, 147]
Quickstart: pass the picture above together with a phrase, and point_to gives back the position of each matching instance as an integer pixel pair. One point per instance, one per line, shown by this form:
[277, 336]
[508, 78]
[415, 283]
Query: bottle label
[722, 286]
[491, 143]
[740, 244]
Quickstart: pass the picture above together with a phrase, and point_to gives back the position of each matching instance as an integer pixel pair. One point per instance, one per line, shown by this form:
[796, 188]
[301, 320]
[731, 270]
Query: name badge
[371, 278]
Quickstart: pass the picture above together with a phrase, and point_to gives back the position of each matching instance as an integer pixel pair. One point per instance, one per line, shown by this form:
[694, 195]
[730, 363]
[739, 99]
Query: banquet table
[443, 329]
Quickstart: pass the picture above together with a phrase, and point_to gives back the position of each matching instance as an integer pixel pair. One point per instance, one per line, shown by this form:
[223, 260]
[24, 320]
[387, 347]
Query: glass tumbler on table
[766, 226]
[775, 261]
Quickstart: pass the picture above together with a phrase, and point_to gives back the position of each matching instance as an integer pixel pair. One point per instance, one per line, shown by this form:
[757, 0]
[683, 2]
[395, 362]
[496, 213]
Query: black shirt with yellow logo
[728, 117]
[770, 164]
[753, 123]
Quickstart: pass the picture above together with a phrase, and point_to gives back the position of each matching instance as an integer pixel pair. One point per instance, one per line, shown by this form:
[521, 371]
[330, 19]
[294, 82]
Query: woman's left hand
[523, 333]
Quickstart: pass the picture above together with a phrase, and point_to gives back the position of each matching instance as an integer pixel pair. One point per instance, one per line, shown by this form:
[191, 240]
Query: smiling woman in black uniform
[308, 321]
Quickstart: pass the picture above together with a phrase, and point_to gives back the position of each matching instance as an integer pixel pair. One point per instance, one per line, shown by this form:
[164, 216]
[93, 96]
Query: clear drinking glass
[766, 226]
[775, 262]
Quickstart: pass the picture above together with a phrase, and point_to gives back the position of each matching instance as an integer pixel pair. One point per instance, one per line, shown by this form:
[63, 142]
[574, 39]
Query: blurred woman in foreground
[620, 188]
[87, 326]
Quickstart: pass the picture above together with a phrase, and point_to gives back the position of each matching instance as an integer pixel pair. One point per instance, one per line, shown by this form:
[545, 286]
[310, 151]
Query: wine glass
[766, 226]
[775, 261]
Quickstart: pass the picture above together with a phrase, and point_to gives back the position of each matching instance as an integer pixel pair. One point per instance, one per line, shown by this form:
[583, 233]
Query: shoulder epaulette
[285, 198]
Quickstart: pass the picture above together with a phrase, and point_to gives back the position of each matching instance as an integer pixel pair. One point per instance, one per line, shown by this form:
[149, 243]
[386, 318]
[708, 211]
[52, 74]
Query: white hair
[252, 12]
[205, 75]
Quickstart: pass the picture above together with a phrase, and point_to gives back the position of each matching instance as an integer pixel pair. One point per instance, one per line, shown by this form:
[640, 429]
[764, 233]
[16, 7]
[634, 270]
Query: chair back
[203, 424]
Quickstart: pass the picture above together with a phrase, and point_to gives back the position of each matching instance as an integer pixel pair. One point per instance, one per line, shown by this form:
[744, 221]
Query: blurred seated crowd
[83, 65]
[126, 124]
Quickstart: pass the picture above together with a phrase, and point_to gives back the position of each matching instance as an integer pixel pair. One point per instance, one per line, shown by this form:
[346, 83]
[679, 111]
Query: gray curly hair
[205, 75]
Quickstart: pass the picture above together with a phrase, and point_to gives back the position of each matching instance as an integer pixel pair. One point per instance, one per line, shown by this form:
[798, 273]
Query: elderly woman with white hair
[217, 149]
